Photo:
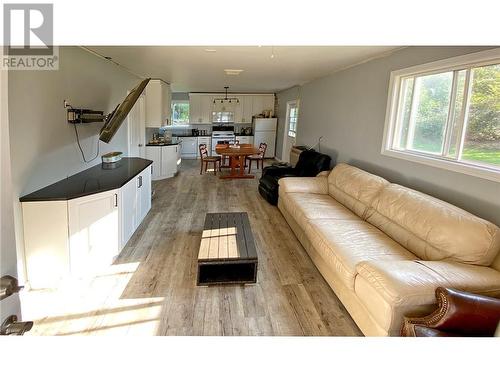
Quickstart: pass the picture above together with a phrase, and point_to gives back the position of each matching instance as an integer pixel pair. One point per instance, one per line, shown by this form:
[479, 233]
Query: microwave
[222, 117]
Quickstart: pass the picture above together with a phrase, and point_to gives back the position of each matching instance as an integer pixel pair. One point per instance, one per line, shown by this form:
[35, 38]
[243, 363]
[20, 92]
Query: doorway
[290, 133]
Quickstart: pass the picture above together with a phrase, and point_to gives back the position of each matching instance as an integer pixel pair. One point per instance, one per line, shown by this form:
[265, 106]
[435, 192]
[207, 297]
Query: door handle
[11, 326]
[116, 200]
[140, 181]
[8, 286]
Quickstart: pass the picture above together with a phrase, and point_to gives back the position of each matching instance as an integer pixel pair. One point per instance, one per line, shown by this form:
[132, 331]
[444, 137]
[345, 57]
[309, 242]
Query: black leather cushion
[309, 165]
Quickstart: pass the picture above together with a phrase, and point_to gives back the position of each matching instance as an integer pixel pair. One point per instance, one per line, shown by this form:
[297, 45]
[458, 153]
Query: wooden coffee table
[227, 250]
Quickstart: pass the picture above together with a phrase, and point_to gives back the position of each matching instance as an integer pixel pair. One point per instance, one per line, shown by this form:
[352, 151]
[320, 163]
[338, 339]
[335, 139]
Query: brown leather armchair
[458, 314]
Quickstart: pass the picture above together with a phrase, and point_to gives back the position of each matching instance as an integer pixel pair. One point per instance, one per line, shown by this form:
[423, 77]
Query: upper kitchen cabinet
[200, 108]
[158, 99]
[262, 103]
[244, 110]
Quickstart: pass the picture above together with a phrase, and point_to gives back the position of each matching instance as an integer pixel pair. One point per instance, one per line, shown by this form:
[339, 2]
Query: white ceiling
[192, 69]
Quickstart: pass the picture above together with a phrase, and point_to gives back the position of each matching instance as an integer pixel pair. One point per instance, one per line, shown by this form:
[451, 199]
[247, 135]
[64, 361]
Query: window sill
[460, 167]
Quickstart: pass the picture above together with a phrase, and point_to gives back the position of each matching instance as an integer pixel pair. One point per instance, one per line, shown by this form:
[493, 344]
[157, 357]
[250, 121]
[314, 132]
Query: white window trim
[289, 105]
[469, 168]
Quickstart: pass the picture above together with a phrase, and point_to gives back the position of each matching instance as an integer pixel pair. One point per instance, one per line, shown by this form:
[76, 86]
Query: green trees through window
[453, 114]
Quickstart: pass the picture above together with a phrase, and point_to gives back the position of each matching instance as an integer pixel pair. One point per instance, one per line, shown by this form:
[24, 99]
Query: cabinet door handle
[140, 181]
[116, 200]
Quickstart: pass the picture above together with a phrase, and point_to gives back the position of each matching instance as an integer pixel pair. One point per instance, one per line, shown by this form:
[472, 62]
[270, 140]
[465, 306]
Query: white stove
[222, 134]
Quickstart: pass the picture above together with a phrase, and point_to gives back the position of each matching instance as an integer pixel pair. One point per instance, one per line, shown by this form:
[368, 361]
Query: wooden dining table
[237, 155]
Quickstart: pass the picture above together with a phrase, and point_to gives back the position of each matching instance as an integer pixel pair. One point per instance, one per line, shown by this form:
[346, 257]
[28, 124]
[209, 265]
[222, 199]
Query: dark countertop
[163, 144]
[90, 181]
[243, 135]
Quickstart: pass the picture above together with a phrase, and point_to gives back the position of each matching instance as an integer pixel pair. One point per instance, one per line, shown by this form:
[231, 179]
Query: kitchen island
[75, 227]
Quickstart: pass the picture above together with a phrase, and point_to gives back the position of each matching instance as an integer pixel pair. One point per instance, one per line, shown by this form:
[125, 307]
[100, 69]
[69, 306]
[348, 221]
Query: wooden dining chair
[205, 159]
[257, 157]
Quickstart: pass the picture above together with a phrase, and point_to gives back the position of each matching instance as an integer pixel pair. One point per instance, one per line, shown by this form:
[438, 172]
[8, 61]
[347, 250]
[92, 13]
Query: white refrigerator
[264, 131]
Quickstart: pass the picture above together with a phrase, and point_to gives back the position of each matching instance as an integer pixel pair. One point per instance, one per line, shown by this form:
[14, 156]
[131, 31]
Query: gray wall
[348, 109]
[43, 145]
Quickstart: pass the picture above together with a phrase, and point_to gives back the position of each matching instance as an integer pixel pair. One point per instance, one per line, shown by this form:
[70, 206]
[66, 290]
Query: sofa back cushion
[354, 188]
[432, 229]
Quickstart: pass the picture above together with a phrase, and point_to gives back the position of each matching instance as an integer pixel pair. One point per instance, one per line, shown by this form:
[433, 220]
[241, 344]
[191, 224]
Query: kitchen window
[292, 116]
[447, 114]
[180, 112]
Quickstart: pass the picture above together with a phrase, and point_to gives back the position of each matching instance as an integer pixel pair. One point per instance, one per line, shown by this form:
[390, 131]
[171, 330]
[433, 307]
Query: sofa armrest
[323, 174]
[458, 312]
[312, 185]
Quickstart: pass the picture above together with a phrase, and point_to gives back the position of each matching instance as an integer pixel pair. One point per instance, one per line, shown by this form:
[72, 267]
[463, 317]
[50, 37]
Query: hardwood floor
[150, 289]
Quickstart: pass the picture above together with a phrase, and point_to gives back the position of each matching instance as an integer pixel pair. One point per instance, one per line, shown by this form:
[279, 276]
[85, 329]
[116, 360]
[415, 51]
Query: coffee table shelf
[227, 250]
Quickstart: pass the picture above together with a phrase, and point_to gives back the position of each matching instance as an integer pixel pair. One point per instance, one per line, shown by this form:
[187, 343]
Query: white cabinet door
[189, 147]
[128, 210]
[168, 161]
[154, 153]
[195, 116]
[268, 102]
[238, 110]
[158, 100]
[207, 106]
[244, 139]
[247, 109]
[94, 232]
[144, 194]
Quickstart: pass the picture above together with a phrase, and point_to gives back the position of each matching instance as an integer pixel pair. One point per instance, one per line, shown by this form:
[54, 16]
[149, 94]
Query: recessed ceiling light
[233, 72]
[210, 50]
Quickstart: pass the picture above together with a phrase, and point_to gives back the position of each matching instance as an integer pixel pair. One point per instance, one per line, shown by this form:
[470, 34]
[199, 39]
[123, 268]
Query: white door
[137, 129]
[9, 305]
[267, 137]
[94, 232]
[128, 210]
[290, 133]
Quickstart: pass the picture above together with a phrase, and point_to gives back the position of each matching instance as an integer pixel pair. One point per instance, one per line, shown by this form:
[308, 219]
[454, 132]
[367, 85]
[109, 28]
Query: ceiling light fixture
[226, 99]
[210, 50]
[233, 72]
[272, 52]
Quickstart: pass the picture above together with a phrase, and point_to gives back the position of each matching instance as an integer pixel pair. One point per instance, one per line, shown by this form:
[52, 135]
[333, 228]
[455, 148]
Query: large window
[180, 112]
[448, 114]
[292, 117]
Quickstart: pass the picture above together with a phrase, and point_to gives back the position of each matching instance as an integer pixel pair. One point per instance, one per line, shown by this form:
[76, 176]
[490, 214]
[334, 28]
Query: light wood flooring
[150, 289]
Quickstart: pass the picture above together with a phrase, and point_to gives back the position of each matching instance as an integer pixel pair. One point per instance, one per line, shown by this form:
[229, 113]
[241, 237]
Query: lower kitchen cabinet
[245, 139]
[189, 147]
[135, 203]
[166, 160]
[94, 229]
[79, 237]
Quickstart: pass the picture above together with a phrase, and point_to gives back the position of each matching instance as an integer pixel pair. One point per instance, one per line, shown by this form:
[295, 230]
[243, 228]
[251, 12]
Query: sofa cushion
[345, 243]
[354, 188]
[390, 290]
[433, 229]
[304, 206]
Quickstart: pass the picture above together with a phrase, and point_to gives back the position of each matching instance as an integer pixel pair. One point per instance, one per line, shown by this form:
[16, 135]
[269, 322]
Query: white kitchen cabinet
[78, 237]
[135, 203]
[243, 111]
[189, 147]
[195, 111]
[168, 161]
[158, 101]
[154, 153]
[93, 224]
[207, 107]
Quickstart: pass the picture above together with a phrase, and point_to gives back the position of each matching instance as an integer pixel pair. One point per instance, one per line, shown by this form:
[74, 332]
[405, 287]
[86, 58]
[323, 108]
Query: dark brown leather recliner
[458, 314]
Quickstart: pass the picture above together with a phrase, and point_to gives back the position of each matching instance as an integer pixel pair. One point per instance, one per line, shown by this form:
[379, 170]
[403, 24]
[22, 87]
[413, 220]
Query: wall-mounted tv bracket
[82, 115]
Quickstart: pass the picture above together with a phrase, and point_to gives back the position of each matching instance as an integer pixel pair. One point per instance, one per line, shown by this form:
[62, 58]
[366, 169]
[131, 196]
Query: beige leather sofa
[384, 248]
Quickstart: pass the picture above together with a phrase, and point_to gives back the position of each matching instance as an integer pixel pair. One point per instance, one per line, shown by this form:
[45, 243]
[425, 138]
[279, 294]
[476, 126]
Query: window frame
[289, 105]
[175, 101]
[391, 126]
